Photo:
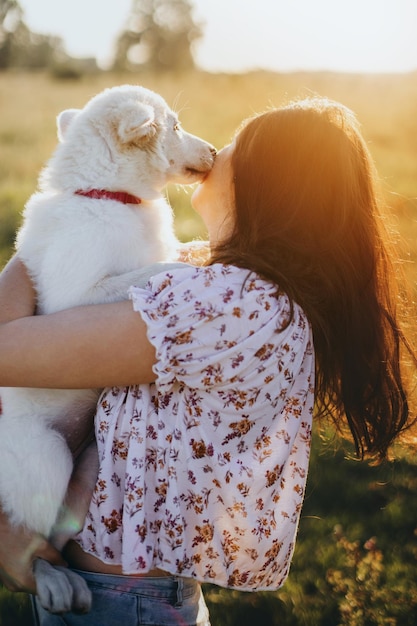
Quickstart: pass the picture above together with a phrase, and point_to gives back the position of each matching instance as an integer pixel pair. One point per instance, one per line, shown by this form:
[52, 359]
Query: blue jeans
[134, 601]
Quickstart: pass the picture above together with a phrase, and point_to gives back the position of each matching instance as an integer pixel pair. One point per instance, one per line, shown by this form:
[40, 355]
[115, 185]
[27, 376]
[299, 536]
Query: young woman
[204, 428]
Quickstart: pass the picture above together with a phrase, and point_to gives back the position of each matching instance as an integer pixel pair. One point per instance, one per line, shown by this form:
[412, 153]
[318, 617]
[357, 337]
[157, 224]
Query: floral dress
[203, 472]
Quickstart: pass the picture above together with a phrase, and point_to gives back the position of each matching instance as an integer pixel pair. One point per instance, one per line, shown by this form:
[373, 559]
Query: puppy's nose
[213, 151]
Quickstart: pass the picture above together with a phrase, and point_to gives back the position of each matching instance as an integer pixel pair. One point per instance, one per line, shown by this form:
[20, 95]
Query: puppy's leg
[77, 500]
[115, 287]
[58, 588]
[35, 467]
[35, 470]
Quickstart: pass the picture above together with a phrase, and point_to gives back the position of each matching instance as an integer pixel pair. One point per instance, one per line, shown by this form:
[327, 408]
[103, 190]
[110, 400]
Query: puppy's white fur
[80, 250]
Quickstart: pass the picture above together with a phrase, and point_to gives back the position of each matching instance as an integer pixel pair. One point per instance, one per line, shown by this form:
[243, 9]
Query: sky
[241, 35]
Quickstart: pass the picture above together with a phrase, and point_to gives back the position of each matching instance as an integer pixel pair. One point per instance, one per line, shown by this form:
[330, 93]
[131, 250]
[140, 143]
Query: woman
[204, 430]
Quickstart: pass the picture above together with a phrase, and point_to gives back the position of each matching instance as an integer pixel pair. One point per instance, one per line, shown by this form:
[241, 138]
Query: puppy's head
[128, 138]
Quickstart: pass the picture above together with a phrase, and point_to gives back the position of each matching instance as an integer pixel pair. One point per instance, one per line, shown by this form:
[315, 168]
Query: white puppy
[99, 216]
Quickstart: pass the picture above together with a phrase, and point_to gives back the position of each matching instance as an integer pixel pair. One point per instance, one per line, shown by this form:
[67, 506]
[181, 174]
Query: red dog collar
[119, 196]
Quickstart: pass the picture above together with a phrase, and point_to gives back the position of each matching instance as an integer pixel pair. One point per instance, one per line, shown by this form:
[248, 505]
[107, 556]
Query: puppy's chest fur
[72, 246]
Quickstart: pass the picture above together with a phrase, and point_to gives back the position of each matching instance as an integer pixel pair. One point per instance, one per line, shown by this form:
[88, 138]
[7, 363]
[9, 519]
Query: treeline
[158, 36]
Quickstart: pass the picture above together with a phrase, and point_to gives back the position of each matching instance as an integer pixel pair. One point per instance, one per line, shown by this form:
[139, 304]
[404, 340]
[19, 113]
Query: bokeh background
[217, 62]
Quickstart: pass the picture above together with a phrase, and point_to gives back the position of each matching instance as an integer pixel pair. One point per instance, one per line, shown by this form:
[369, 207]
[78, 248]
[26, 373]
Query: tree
[8, 9]
[159, 36]
[20, 47]
[10, 18]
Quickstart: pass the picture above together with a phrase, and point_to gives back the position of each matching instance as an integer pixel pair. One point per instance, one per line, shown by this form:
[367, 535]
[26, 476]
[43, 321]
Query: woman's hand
[17, 294]
[194, 252]
[18, 550]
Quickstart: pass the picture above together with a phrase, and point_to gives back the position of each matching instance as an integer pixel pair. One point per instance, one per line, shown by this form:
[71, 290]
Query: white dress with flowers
[203, 473]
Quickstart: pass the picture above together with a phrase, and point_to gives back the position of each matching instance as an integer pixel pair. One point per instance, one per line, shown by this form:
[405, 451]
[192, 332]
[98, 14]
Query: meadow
[356, 555]
[212, 106]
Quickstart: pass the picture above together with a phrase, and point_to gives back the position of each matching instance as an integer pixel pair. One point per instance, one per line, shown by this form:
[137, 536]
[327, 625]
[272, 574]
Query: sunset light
[355, 36]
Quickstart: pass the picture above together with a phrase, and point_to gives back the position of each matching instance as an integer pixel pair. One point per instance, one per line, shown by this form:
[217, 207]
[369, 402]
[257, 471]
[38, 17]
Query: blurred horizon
[371, 36]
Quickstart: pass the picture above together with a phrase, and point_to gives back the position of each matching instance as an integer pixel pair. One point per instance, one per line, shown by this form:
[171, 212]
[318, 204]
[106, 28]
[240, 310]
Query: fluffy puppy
[98, 218]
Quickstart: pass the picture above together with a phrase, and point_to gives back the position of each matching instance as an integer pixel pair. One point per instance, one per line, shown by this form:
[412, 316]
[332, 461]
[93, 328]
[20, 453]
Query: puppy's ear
[136, 123]
[64, 120]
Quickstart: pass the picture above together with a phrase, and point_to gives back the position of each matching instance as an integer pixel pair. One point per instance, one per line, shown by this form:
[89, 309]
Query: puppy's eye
[177, 126]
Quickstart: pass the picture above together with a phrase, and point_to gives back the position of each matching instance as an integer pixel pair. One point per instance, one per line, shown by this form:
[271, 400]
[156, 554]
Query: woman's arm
[18, 550]
[89, 346]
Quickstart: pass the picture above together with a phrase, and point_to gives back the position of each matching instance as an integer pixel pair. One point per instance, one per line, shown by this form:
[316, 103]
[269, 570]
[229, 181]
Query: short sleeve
[209, 325]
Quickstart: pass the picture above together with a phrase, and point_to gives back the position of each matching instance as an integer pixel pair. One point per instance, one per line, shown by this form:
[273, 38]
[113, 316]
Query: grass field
[211, 106]
[337, 578]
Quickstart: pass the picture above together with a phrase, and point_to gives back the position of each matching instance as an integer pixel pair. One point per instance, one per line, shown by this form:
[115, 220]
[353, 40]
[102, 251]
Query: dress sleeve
[209, 325]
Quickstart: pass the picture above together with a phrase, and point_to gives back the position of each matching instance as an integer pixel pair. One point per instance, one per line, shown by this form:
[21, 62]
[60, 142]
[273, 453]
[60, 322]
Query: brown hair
[307, 218]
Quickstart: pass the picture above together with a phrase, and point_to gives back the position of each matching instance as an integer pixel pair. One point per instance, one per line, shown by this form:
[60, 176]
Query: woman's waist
[78, 559]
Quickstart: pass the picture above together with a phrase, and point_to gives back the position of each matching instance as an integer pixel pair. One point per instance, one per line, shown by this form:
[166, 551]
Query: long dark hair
[308, 218]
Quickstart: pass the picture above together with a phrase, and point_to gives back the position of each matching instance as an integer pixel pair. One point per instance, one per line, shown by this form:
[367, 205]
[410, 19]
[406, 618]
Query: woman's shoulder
[220, 284]
[193, 279]
[206, 274]
[216, 290]
[197, 317]
[216, 276]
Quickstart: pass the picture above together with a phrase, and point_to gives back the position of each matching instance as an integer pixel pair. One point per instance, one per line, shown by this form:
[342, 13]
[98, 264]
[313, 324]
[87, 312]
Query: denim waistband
[150, 586]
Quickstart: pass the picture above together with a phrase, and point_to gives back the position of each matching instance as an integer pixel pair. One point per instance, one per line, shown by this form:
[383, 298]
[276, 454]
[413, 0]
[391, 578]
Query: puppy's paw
[81, 594]
[60, 590]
